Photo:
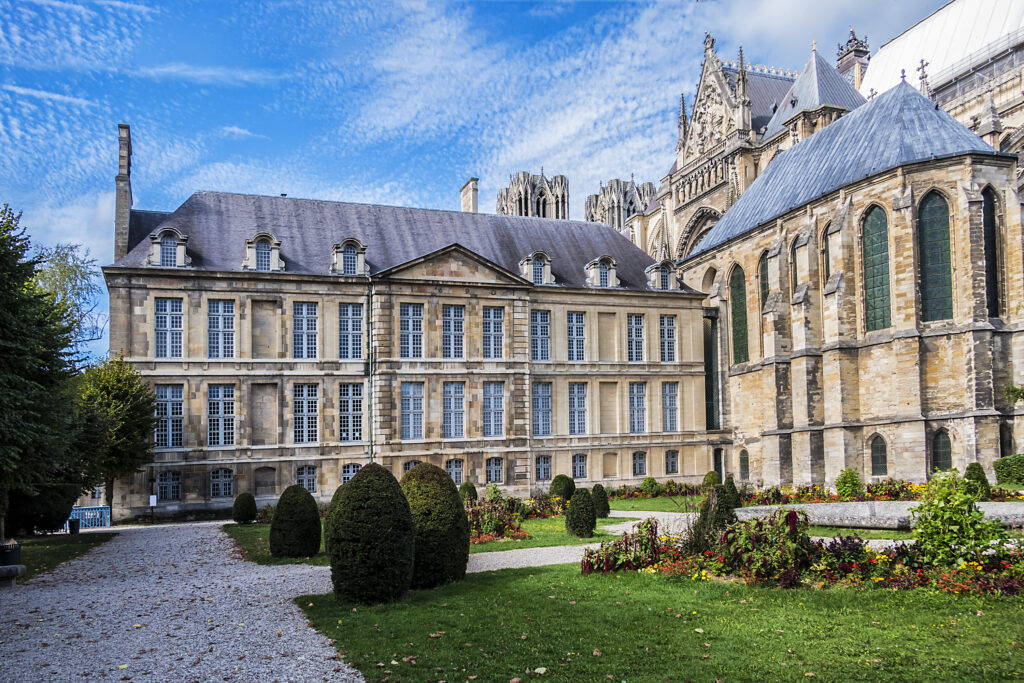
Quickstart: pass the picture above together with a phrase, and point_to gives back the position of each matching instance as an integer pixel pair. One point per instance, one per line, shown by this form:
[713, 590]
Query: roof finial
[871, 94]
[903, 74]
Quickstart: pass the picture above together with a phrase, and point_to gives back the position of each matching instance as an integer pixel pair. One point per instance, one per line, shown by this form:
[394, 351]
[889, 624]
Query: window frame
[579, 466]
[493, 409]
[453, 467]
[577, 408]
[305, 413]
[876, 271]
[305, 476]
[667, 337]
[540, 336]
[263, 255]
[168, 327]
[934, 257]
[168, 251]
[453, 410]
[879, 456]
[410, 330]
[222, 483]
[349, 470]
[738, 315]
[635, 337]
[638, 407]
[493, 329]
[350, 331]
[453, 331]
[170, 416]
[671, 462]
[542, 468]
[495, 466]
[411, 411]
[639, 463]
[670, 406]
[220, 415]
[220, 328]
[350, 411]
[305, 330]
[168, 486]
[576, 336]
[540, 405]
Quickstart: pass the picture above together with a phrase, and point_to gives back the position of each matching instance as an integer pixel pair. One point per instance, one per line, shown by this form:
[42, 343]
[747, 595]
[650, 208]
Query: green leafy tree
[123, 399]
[69, 272]
[1014, 393]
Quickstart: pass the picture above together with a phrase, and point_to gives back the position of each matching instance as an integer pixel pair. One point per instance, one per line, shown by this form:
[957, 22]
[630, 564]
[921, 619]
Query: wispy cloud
[130, 6]
[239, 133]
[210, 75]
[49, 96]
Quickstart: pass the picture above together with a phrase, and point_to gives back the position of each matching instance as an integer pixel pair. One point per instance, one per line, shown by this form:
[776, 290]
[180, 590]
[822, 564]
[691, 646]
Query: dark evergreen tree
[600, 497]
[563, 486]
[580, 518]
[440, 524]
[244, 509]
[295, 529]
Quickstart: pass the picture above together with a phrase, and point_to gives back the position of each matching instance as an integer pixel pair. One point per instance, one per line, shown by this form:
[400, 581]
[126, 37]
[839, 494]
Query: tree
[122, 398]
[1014, 393]
[70, 273]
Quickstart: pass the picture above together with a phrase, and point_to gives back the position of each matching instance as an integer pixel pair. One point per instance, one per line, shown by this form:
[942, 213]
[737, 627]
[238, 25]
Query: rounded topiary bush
[580, 518]
[1010, 469]
[440, 525]
[849, 484]
[563, 487]
[600, 498]
[327, 519]
[650, 487]
[295, 529]
[372, 538]
[711, 479]
[977, 482]
[467, 491]
[244, 509]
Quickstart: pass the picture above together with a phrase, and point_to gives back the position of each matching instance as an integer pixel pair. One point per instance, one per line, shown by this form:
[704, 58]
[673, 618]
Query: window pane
[668, 338]
[350, 331]
[412, 410]
[738, 309]
[542, 409]
[992, 270]
[942, 452]
[540, 335]
[876, 270]
[879, 459]
[635, 337]
[933, 244]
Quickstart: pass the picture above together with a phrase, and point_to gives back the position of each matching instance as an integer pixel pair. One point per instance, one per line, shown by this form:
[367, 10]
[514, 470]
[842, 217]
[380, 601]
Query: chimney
[469, 196]
[123, 193]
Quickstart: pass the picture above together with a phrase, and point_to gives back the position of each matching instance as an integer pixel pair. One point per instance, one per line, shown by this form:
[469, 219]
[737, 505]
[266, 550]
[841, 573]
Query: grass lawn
[659, 504]
[254, 540]
[640, 627]
[550, 532]
[43, 553]
[866, 534]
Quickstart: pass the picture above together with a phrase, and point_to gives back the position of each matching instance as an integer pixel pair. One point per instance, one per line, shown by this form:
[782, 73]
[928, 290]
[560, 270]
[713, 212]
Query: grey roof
[819, 84]
[142, 223]
[899, 127]
[218, 224]
[765, 90]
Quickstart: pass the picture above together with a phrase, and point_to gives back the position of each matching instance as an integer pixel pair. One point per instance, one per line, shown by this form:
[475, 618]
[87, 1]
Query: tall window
[603, 271]
[540, 335]
[935, 272]
[577, 407]
[738, 309]
[667, 329]
[348, 259]
[305, 476]
[576, 335]
[877, 313]
[222, 483]
[168, 328]
[348, 471]
[538, 270]
[304, 330]
[542, 467]
[635, 337]
[453, 413]
[169, 415]
[669, 406]
[542, 408]
[494, 332]
[826, 262]
[638, 407]
[350, 411]
[454, 469]
[719, 463]
[168, 486]
[452, 331]
[671, 462]
[410, 326]
[168, 252]
[762, 279]
[350, 331]
[412, 410]
[221, 414]
[220, 328]
[639, 464]
[665, 277]
[744, 465]
[495, 474]
[494, 408]
[991, 235]
[263, 256]
[942, 452]
[879, 457]
[305, 411]
[793, 270]
[579, 466]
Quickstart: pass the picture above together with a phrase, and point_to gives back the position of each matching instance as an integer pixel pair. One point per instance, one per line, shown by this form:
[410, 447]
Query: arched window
[168, 252]
[719, 463]
[879, 457]
[305, 477]
[762, 279]
[454, 469]
[222, 483]
[168, 486]
[406, 466]
[934, 258]
[538, 270]
[877, 313]
[744, 465]
[942, 452]
[348, 471]
[263, 256]
[579, 466]
[348, 259]
[992, 270]
[495, 469]
[603, 270]
[666, 275]
[738, 306]
[792, 269]
[826, 264]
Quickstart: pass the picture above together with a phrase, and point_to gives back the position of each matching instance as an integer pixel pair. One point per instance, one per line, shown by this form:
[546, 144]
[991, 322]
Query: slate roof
[765, 90]
[819, 84]
[896, 128]
[218, 224]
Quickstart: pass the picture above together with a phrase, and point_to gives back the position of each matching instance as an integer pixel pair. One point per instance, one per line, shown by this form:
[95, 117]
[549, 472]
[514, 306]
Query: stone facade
[618, 201]
[535, 195]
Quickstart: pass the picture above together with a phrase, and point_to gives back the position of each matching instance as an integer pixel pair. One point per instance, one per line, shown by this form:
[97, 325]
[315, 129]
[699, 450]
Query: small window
[348, 259]
[603, 272]
[454, 469]
[719, 458]
[666, 278]
[222, 483]
[942, 452]
[168, 252]
[671, 462]
[879, 458]
[744, 465]
[409, 465]
[538, 270]
[542, 467]
[349, 471]
[168, 486]
[639, 464]
[826, 262]
[494, 471]
[793, 270]
[263, 256]
[97, 493]
[305, 476]
[579, 466]
[762, 279]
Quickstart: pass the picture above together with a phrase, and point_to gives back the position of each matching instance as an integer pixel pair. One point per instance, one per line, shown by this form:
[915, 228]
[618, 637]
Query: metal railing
[91, 517]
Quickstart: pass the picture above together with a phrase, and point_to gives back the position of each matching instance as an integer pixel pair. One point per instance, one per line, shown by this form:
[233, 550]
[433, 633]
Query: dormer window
[263, 254]
[665, 275]
[167, 249]
[538, 272]
[168, 252]
[537, 268]
[349, 258]
[662, 276]
[601, 273]
[603, 270]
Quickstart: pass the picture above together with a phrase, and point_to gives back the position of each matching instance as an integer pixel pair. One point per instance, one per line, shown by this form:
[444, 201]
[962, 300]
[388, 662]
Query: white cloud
[239, 133]
[49, 96]
[209, 75]
[130, 6]
[87, 220]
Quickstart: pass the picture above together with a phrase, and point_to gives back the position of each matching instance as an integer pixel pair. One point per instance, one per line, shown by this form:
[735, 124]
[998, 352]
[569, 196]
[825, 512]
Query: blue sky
[382, 102]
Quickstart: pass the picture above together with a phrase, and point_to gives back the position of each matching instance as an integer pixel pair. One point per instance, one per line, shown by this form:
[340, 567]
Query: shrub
[467, 491]
[372, 538]
[732, 496]
[44, 512]
[715, 515]
[563, 487]
[295, 529]
[635, 550]
[773, 549]
[244, 509]
[265, 514]
[499, 519]
[327, 520]
[440, 526]
[1010, 470]
[600, 498]
[849, 485]
[977, 482]
[580, 518]
[710, 479]
[493, 493]
[650, 487]
[949, 527]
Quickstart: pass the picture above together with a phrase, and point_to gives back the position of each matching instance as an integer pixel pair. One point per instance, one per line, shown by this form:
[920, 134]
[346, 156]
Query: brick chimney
[123, 192]
[469, 196]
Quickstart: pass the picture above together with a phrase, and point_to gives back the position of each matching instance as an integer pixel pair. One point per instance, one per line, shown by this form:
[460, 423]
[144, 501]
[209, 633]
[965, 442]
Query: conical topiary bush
[295, 529]
[244, 509]
[440, 525]
[580, 518]
[600, 497]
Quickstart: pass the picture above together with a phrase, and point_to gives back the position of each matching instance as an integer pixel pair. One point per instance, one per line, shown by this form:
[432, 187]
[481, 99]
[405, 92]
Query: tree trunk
[108, 493]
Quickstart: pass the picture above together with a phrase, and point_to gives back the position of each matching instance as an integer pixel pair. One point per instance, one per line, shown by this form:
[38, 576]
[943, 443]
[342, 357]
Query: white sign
[152, 501]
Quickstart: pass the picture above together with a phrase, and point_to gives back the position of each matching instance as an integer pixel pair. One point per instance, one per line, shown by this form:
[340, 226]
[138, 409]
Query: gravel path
[168, 602]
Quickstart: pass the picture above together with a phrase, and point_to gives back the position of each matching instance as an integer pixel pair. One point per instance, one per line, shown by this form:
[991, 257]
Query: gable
[712, 118]
[455, 264]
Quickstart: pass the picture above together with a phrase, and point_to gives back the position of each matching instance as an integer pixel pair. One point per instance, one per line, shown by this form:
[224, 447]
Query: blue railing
[91, 518]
